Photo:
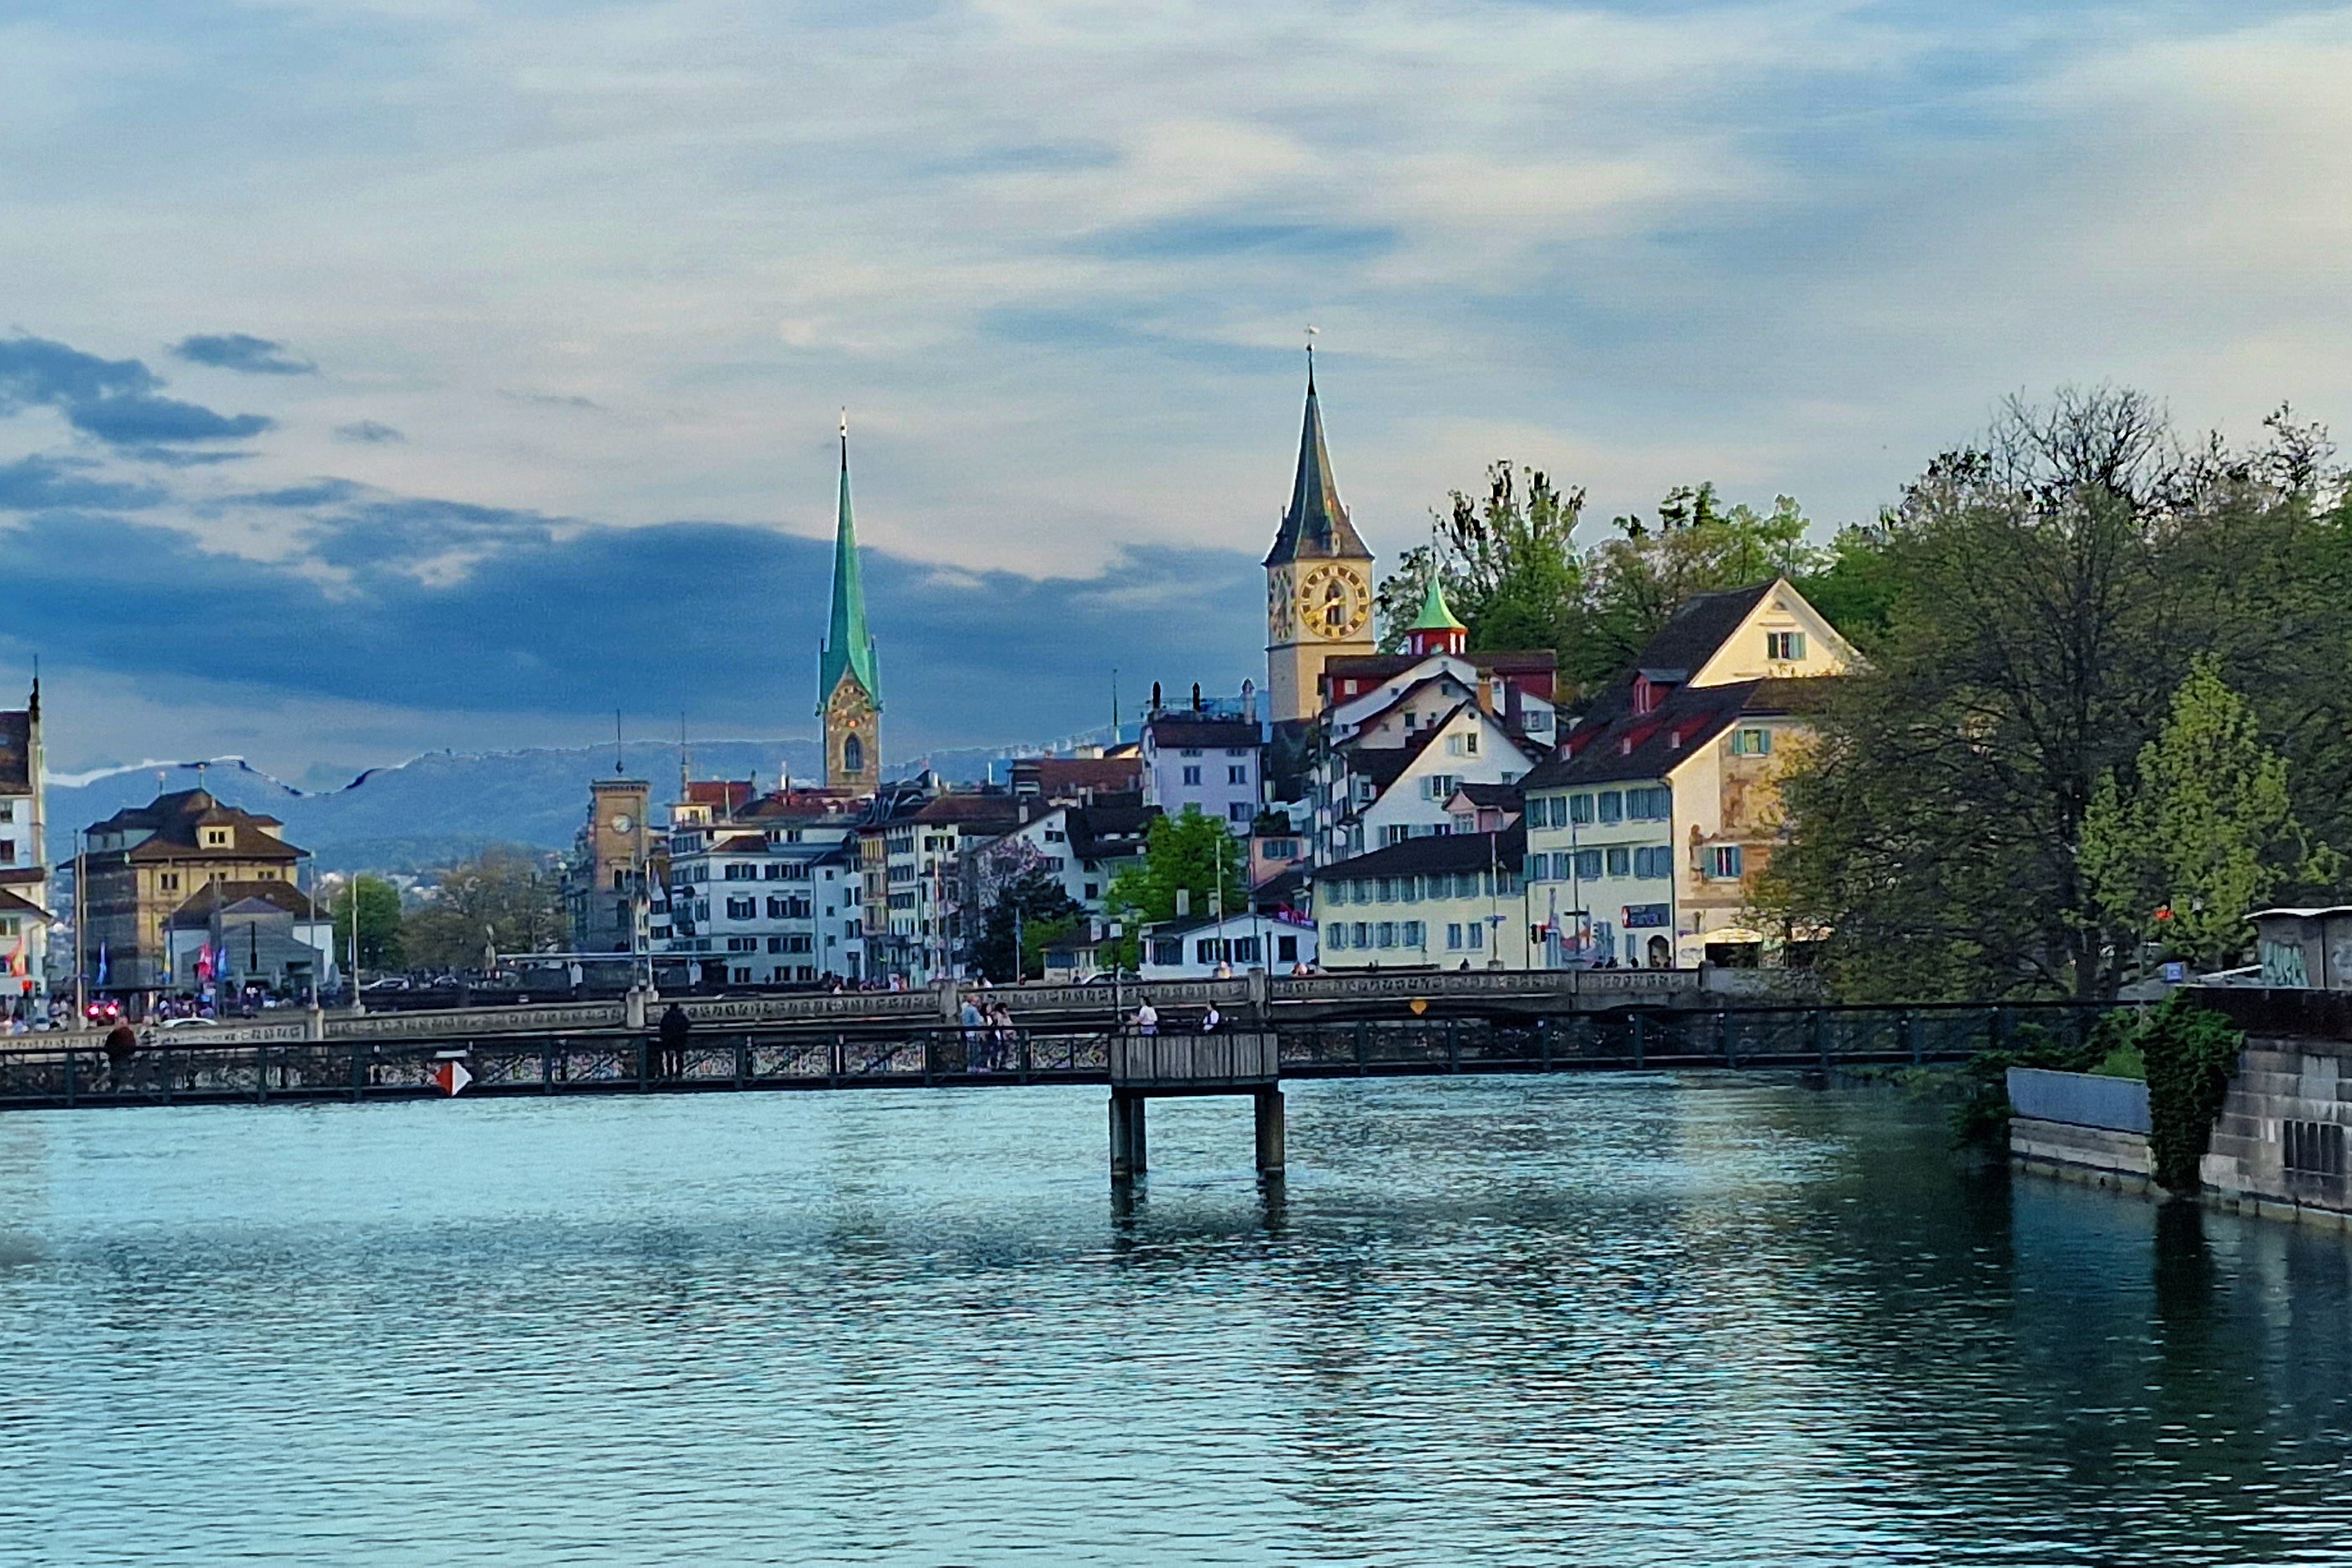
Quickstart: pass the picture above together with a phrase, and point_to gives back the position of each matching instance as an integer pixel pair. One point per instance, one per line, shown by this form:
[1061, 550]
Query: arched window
[852, 755]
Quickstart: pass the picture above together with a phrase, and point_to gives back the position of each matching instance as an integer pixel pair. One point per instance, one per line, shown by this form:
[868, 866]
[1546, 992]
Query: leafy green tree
[2045, 591]
[1190, 853]
[2201, 831]
[502, 900]
[1508, 561]
[378, 903]
[1634, 582]
[1036, 906]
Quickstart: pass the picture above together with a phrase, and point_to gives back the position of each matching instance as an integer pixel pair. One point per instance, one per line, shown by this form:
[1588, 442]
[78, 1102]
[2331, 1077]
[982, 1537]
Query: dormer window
[1784, 648]
[216, 838]
[1645, 696]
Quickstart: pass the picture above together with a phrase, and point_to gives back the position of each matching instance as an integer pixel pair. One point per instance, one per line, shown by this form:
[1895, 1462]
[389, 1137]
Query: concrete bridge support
[1127, 1157]
[1269, 1132]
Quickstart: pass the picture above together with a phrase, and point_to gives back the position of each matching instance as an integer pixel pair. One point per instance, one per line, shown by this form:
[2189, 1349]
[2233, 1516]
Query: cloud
[38, 483]
[113, 400]
[242, 352]
[368, 432]
[550, 400]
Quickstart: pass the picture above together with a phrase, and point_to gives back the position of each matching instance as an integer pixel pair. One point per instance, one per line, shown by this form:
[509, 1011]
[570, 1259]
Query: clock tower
[848, 688]
[1318, 580]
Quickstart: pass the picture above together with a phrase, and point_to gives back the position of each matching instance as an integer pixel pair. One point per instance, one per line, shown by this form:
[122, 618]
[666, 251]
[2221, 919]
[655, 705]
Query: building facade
[26, 916]
[763, 890]
[144, 864]
[1647, 832]
[1209, 764]
[1455, 901]
[613, 871]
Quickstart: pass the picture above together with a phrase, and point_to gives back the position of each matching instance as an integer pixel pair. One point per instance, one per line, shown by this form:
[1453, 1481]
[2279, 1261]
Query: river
[1605, 1319]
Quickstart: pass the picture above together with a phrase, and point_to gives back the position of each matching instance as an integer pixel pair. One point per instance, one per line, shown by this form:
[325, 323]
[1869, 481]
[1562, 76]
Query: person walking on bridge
[1147, 1019]
[676, 1027]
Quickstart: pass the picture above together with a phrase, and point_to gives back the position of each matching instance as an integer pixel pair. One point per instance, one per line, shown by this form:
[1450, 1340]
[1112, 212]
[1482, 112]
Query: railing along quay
[69, 1071]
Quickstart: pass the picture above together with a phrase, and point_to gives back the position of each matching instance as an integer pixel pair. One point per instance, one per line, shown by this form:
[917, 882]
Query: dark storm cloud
[243, 352]
[113, 400]
[43, 484]
[558, 619]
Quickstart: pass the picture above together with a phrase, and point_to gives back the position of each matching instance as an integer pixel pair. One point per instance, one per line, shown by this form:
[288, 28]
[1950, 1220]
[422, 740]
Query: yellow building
[144, 863]
[1647, 832]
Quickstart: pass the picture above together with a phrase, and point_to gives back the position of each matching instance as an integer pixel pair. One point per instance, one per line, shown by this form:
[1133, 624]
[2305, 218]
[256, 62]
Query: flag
[102, 963]
[17, 956]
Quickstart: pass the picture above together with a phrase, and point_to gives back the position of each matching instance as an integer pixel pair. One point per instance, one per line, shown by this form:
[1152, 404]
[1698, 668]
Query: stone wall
[2101, 1155]
[2281, 1144]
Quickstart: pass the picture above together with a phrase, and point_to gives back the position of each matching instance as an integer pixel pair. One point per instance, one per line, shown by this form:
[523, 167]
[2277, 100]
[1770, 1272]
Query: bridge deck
[78, 1074]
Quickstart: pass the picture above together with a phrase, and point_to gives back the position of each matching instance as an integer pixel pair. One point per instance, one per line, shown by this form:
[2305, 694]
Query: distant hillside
[444, 804]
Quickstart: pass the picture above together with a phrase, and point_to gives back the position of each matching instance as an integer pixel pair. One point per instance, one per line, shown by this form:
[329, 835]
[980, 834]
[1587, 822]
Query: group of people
[1146, 1019]
[988, 1029]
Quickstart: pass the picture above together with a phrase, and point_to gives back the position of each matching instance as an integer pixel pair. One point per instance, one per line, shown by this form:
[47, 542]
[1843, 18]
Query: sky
[381, 377]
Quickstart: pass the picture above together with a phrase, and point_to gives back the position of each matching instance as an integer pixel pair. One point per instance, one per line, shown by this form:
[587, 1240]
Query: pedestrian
[1147, 1019]
[676, 1027]
[122, 1044]
[1210, 1019]
[971, 1018]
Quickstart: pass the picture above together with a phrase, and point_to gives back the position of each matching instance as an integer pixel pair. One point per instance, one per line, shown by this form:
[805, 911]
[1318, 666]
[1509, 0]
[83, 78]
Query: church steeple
[847, 645]
[849, 688]
[1318, 580]
[1317, 524]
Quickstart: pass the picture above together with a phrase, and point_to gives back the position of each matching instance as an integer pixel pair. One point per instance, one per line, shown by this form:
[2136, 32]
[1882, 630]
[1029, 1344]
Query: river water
[1524, 1322]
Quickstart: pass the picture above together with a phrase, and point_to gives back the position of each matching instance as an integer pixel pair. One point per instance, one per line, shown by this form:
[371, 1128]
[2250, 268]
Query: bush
[2190, 1054]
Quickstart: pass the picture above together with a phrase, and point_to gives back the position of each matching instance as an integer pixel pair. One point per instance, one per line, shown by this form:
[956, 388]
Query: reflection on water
[1485, 1322]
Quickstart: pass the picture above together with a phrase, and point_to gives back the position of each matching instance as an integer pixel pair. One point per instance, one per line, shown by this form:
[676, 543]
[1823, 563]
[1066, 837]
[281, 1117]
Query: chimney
[1249, 702]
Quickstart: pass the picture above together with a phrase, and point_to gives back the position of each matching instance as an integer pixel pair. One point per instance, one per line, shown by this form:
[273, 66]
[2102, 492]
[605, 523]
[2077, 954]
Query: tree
[1038, 908]
[2044, 591]
[1189, 853]
[1635, 582]
[2201, 831]
[502, 901]
[1508, 563]
[378, 902]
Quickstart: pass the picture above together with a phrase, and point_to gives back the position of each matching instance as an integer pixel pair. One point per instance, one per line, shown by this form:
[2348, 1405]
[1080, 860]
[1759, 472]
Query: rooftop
[1451, 852]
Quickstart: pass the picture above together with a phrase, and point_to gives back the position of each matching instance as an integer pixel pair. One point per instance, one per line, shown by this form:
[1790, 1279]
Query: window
[1612, 805]
[743, 908]
[1286, 949]
[1239, 810]
[1443, 786]
[1784, 646]
[742, 944]
[1193, 775]
[1204, 951]
[852, 755]
[1360, 935]
[1587, 865]
[1237, 772]
[2316, 1147]
[1653, 861]
[1477, 934]
[1454, 937]
[1396, 833]
[7, 811]
[742, 977]
[1462, 745]
[1408, 890]
[1751, 742]
[1620, 861]
[1415, 935]
[1094, 889]
[1335, 936]
[775, 944]
[1387, 888]
[1465, 822]
[740, 871]
[1655, 804]
[1723, 862]
[7, 851]
[1360, 890]
[1539, 811]
[1189, 751]
[216, 838]
[1387, 934]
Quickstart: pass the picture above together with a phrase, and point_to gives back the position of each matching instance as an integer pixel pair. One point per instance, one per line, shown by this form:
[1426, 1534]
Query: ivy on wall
[2191, 1052]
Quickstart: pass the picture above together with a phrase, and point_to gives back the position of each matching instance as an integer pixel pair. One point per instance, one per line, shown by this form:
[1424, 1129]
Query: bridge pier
[1269, 1132]
[1127, 1157]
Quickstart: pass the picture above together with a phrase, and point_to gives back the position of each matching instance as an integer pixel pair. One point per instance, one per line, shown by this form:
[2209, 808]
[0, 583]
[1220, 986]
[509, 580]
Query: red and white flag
[452, 1077]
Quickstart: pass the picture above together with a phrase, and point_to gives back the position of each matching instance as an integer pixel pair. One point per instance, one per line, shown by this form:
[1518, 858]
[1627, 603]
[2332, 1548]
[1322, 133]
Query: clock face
[623, 822]
[1279, 625]
[1333, 602]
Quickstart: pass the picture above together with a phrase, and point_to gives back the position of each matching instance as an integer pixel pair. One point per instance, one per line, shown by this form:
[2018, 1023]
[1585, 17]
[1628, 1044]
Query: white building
[1645, 835]
[1197, 949]
[764, 892]
[1209, 762]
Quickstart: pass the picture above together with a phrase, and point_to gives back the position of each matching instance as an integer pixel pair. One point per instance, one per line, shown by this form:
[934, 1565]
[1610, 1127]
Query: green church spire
[847, 645]
[1436, 615]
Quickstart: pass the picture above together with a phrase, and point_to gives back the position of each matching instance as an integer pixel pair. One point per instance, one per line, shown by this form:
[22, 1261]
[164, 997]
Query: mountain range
[444, 804]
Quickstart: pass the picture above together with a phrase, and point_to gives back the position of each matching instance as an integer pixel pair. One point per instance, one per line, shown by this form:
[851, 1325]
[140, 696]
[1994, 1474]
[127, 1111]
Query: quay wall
[2082, 1127]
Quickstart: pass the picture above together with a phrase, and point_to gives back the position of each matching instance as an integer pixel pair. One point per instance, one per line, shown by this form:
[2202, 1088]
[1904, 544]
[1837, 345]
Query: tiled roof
[10, 904]
[1650, 745]
[1382, 666]
[998, 811]
[1700, 625]
[1439, 852]
[1100, 832]
[201, 906]
[173, 820]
